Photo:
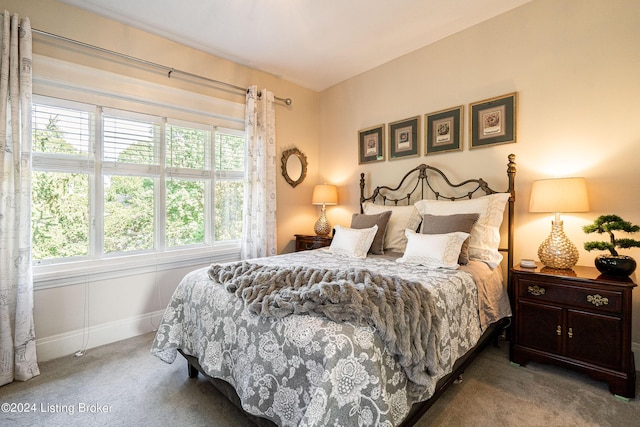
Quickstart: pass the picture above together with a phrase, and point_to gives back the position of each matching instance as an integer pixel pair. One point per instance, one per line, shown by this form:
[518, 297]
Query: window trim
[112, 267]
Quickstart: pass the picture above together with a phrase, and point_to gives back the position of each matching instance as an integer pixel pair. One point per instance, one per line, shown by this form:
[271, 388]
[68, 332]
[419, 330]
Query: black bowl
[615, 265]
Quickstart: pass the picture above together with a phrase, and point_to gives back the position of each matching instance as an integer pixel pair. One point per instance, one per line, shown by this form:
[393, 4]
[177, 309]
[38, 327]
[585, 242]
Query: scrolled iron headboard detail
[423, 183]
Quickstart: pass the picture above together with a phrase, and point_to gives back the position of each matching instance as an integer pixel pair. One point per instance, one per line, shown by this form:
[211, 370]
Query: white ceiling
[314, 43]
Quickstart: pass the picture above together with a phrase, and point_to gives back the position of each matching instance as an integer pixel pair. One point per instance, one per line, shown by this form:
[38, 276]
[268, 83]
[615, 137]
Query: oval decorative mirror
[294, 166]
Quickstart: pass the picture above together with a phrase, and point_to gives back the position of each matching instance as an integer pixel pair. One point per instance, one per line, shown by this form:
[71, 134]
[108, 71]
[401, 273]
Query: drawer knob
[597, 300]
[570, 333]
[559, 330]
[536, 290]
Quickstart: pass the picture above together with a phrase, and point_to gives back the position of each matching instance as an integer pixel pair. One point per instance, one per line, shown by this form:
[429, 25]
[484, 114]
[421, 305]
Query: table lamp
[558, 195]
[324, 194]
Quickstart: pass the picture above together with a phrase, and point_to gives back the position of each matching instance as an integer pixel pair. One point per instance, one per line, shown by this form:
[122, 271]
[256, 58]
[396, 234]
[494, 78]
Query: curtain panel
[18, 359]
[259, 226]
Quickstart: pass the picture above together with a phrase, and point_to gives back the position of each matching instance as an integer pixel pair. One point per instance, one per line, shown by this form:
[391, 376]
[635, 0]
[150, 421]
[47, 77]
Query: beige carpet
[122, 385]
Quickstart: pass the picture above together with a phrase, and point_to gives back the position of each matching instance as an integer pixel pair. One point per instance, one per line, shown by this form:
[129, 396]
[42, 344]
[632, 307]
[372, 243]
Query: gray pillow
[368, 221]
[443, 224]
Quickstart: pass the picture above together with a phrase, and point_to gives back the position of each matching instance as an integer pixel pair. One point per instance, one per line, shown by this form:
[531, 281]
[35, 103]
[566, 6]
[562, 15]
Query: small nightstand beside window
[575, 318]
[305, 243]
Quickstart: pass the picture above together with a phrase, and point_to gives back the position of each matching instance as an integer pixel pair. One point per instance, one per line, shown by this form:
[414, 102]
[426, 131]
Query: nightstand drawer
[574, 296]
[305, 243]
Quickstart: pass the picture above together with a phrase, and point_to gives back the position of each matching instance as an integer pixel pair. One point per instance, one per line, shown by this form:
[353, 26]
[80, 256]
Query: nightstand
[577, 319]
[305, 243]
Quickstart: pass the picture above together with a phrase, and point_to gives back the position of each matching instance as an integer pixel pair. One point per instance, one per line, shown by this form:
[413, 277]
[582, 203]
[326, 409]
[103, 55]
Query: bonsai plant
[615, 264]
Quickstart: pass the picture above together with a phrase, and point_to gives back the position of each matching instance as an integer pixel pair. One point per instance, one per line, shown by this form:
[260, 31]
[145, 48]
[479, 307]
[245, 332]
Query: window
[187, 161]
[62, 146]
[229, 189]
[112, 182]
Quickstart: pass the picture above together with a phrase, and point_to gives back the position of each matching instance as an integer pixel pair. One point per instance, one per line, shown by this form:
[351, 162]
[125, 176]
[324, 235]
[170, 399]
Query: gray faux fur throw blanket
[401, 311]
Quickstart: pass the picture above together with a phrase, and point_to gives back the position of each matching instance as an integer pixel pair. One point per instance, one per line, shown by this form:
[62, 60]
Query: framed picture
[371, 144]
[493, 121]
[404, 137]
[443, 129]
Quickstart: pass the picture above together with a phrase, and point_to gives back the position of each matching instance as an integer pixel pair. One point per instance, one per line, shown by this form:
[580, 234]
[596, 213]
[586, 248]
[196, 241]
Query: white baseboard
[71, 342]
[635, 347]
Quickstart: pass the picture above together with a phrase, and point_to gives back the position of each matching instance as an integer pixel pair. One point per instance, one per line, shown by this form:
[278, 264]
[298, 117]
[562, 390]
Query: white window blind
[188, 146]
[131, 140]
[63, 136]
[230, 154]
[62, 130]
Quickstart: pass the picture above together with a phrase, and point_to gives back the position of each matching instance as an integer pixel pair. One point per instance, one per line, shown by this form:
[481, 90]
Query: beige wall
[575, 65]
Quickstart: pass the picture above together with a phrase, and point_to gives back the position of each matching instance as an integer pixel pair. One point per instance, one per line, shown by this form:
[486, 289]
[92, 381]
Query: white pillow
[433, 250]
[402, 217]
[485, 234]
[353, 242]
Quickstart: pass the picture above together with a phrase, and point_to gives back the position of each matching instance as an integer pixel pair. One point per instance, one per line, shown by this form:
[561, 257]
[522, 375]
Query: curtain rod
[168, 70]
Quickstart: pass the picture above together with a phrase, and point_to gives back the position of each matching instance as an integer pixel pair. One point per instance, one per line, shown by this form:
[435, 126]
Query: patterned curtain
[17, 338]
[259, 227]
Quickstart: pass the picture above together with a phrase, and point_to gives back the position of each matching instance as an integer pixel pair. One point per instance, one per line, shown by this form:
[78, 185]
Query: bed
[368, 331]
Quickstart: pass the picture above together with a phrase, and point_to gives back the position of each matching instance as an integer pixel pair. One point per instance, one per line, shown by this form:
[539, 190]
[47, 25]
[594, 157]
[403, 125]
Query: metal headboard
[422, 179]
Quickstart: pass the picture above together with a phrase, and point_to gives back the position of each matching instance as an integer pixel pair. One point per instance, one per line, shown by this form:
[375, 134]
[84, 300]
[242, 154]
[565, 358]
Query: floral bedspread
[306, 370]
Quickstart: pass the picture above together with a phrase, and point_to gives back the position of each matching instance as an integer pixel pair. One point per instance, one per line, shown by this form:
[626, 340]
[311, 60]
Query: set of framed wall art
[492, 121]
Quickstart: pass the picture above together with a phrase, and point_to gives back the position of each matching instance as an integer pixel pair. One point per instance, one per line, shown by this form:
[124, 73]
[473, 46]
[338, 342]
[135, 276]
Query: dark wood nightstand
[577, 319]
[305, 243]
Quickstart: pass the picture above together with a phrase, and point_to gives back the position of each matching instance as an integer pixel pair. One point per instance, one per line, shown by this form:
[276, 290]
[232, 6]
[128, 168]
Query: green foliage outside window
[60, 202]
[185, 213]
[128, 214]
[60, 215]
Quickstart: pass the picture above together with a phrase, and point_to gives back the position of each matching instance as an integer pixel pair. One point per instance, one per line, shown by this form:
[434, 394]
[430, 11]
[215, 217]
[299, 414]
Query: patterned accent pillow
[352, 242]
[485, 236]
[433, 250]
[442, 224]
[402, 217]
[367, 221]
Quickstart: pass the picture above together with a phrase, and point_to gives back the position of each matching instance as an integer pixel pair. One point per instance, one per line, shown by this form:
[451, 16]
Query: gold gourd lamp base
[324, 194]
[558, 195]
[322, 226]
[557, 251]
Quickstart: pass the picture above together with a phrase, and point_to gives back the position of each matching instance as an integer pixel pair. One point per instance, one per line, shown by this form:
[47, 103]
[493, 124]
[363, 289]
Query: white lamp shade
[559, 195]
[324, 194]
